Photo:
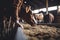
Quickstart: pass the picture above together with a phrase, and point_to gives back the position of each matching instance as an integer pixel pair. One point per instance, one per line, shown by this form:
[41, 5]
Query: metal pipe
[46, 6]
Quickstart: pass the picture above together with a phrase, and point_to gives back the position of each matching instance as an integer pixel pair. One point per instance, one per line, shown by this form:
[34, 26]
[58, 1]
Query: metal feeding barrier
[8, 26]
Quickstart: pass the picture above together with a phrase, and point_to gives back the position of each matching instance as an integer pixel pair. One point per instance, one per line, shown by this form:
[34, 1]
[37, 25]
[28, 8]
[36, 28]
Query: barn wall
[57, 18]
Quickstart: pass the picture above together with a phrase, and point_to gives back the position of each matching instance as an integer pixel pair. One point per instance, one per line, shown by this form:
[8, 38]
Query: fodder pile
[41, 32]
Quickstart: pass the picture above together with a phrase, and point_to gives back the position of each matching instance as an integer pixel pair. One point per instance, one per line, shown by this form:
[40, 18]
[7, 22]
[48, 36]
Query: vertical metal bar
[57, 8]
[9, 24]
[46, 6]
[4, 23]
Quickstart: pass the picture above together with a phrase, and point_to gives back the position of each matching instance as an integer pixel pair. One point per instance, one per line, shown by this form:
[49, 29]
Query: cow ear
[27, 9]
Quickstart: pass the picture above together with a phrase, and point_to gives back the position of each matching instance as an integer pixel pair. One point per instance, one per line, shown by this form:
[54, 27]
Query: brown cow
[51, 17]
[39, 17]
[48, 18]
[8, 15]
[26, 15]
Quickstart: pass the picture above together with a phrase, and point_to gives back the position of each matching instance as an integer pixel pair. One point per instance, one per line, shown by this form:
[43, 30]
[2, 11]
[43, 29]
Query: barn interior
[50, 6]
[44, 30]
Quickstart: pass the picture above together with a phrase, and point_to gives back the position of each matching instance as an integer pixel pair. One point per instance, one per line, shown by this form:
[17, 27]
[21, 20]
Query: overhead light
[44, 9]
[35, 11]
